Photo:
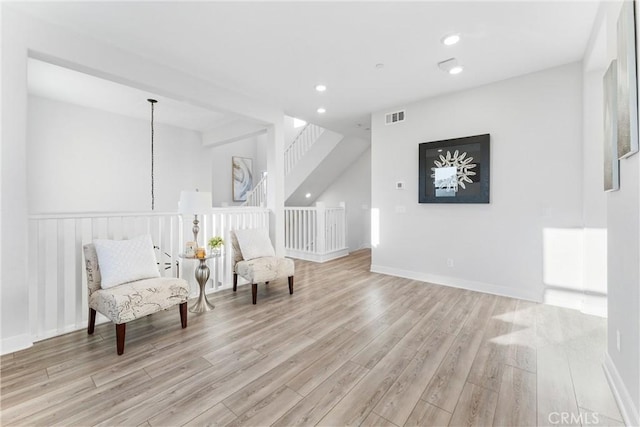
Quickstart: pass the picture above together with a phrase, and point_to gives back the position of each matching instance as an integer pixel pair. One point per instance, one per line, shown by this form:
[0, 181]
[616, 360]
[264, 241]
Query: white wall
[14, 313]
[594, 198]
[535, 122]
[260, 163]
[354, 188]
[2, 135]
[290, 132]
[253, 148]
[623, 237]
[87, 160]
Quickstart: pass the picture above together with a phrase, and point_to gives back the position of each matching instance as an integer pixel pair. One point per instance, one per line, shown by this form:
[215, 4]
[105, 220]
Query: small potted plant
[215, 243]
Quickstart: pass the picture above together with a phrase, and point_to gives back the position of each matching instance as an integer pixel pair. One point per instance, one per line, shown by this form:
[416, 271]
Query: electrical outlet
[618, 339]
[449, 262]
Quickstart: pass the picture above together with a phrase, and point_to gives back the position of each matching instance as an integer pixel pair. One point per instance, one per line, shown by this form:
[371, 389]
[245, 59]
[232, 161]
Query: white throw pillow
[254, 243]
[123, 261]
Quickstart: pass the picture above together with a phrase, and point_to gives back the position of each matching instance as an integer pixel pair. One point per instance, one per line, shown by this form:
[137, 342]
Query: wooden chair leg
[92, 321]
[120, 332]
[290, 285]
[183, 314]
[235, 282]
[254, 292]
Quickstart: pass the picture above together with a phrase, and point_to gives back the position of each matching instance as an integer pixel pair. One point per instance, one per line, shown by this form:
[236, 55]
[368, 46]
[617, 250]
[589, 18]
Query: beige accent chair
[129, 301]
[259, 270]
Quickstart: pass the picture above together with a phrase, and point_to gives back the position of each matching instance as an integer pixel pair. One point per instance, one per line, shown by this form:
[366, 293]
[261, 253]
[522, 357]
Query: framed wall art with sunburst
[455, 170]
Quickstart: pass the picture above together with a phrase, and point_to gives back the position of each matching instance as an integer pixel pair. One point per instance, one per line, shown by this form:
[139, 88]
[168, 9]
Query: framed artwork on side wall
[242, 178]
[611, 162]
[627, 82]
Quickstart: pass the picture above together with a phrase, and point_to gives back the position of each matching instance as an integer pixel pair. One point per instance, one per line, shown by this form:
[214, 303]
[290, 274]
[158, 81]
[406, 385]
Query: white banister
[335, 235]
[321, 222]
[57, 277]
[258, 195]
[315, 233]
[299, 147]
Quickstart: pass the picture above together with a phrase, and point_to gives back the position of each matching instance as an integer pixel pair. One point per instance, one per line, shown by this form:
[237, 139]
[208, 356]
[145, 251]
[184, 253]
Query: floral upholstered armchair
[254, 260]
[125, 284]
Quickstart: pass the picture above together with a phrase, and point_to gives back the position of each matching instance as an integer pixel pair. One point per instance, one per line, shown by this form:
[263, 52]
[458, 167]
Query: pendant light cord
[153, 198]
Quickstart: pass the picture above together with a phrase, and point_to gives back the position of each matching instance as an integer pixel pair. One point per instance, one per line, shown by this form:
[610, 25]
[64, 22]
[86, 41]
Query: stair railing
[299, 147]
[258, 195]
[57, 275]
[315, 233]
[294, 152]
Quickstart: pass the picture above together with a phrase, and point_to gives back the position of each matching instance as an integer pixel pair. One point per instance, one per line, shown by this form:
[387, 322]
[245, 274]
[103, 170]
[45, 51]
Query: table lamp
[194, 202]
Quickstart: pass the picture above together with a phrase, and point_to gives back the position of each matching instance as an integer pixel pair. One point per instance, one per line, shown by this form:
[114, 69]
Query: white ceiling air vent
[392, 118]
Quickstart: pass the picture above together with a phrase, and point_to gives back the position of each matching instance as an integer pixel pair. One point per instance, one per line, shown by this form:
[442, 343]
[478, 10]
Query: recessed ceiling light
[308, 195]
[321, 88]
[451, 39]
[450, 66]
[321, 110]
[379, 66]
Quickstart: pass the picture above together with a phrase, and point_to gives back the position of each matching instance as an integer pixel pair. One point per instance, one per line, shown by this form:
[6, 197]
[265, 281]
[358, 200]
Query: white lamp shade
[194, 202]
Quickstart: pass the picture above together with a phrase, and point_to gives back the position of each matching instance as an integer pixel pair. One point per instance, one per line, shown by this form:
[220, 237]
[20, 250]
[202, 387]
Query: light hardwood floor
[349, 347]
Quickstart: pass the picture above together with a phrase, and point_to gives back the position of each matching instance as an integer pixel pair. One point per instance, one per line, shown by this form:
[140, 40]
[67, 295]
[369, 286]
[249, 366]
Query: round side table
[202, 275]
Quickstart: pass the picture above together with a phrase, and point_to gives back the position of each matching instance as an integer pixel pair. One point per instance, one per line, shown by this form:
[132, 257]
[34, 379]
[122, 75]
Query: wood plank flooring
[349, 347]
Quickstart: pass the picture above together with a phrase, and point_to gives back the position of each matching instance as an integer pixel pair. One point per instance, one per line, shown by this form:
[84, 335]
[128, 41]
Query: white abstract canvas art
[242, 172]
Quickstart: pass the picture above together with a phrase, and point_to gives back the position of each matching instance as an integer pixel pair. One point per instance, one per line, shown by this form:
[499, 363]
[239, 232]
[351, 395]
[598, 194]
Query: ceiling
[62, 84]
[278, 51]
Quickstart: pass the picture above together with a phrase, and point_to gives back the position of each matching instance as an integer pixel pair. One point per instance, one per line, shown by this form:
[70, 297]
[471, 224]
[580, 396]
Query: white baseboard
[454, 282]
[12, 344]
[595, 306]
[577, 299]
[309, 256]
[627, 407]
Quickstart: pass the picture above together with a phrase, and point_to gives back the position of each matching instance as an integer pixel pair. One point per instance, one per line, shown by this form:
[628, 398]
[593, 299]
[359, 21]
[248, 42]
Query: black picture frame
[472, 177]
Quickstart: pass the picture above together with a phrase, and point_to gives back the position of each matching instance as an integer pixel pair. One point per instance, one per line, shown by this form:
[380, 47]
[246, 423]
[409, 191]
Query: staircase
[258, 196]
[299, 147]
[314, 160]
[311, 165]
[308, 156]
